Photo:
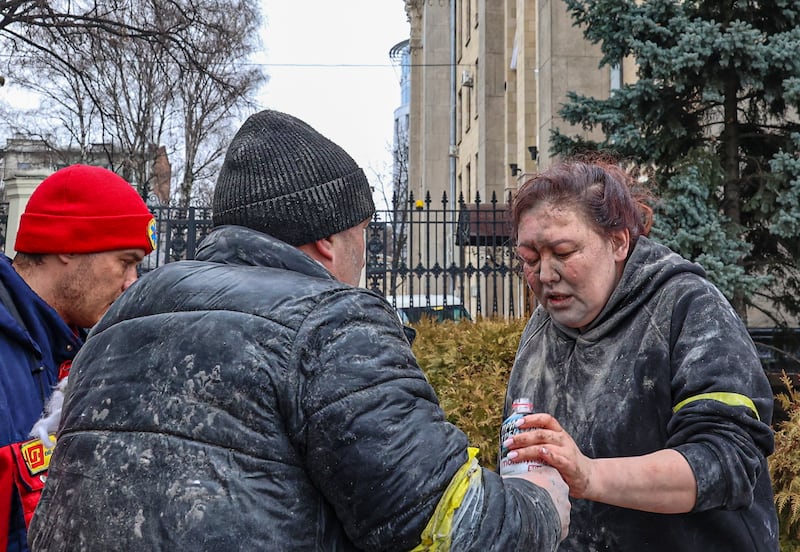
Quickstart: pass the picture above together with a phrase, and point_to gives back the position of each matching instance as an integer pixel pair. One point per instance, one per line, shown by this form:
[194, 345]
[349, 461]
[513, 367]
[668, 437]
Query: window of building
[460, 117]
[459, 26]
[467, 108]
[477, 174]
[616, 76]
[468, 181]
[467, 17]
[474, 91]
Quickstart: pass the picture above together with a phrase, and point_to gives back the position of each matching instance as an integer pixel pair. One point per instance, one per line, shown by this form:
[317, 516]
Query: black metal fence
[179, 231]
[420, 253]
[3, 225]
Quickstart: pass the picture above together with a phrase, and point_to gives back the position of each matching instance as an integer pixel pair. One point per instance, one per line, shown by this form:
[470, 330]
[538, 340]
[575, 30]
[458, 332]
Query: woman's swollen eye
[527, 259]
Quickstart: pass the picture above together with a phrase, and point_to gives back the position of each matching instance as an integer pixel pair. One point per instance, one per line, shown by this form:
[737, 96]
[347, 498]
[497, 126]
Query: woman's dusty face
[571, 268]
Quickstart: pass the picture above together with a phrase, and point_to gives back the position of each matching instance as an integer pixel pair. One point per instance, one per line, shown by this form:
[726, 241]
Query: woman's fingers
[540, 420]
[533, 437]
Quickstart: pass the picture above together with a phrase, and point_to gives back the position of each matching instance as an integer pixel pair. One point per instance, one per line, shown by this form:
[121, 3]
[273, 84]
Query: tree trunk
[731, 203]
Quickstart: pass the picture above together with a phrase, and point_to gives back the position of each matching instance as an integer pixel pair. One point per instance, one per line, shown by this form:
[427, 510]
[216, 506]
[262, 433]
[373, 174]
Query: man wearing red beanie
[80, 239]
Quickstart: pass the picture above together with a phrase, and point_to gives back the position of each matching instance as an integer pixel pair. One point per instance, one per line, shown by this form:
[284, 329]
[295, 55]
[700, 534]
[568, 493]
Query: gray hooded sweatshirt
[667, 364]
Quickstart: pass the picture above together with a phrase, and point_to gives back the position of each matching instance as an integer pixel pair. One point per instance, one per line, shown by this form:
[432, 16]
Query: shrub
[784, 467]
[468, 365]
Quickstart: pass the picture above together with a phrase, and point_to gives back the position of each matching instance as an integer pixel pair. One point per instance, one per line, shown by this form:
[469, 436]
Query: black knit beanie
[283, 178]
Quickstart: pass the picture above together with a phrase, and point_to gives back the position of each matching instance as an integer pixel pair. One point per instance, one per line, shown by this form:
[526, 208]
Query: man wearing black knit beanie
[255, 399]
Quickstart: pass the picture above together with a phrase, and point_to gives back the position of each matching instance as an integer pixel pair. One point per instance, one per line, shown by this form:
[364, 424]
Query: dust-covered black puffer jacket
[249, 401]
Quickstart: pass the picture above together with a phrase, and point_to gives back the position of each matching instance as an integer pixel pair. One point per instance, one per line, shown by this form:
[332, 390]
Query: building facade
[487, 82]
[401, 58]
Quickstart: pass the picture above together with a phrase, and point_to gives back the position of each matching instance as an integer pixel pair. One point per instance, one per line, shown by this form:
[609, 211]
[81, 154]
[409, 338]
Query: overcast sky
[328, 63]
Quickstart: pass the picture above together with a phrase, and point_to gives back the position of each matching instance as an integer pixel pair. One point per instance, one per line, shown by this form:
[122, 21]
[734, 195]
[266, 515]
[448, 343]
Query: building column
[19, 189]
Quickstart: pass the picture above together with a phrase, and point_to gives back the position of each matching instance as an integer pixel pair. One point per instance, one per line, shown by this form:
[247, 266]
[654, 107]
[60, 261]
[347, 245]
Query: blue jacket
[30, 357]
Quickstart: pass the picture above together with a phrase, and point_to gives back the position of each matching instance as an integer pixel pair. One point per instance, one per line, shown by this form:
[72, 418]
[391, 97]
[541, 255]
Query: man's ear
[325, 247]
[66, 258]
[321, 250]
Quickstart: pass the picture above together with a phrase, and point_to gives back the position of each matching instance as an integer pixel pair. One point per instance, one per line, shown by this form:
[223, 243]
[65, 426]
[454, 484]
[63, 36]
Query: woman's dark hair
[608, 196]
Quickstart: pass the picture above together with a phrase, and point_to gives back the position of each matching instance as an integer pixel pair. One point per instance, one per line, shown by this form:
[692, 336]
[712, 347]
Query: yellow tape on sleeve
[732, 399]
[437, 534]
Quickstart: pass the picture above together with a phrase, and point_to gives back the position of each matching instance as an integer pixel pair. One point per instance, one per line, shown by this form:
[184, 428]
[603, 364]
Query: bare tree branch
[136, 77]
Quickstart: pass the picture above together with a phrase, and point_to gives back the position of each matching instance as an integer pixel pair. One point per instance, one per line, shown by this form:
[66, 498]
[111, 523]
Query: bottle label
[507, 429]
[508, 467]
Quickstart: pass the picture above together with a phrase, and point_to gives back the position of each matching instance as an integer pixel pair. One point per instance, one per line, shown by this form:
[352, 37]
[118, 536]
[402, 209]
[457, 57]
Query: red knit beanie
[84, 209]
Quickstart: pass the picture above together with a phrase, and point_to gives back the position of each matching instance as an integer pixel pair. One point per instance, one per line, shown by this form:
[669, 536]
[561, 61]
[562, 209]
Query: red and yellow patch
[36, 455]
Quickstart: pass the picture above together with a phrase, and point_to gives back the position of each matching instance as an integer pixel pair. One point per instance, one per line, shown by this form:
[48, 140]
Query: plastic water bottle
[519, 408]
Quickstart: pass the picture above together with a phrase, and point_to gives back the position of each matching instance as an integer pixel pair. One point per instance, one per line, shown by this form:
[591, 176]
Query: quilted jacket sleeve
[378, 445]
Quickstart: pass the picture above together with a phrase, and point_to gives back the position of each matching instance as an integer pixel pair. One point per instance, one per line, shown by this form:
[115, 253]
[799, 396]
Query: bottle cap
[524, 401]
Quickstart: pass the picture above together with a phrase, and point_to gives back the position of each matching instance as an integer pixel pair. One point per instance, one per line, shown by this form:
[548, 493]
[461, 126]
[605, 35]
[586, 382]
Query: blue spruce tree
[713, 113]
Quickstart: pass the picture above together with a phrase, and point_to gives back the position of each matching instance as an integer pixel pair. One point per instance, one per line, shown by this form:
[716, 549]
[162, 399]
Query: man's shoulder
[208, 286]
